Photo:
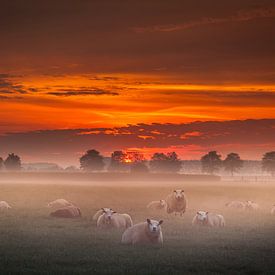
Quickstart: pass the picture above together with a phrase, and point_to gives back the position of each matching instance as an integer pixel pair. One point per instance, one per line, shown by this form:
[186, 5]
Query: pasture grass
[31, 242]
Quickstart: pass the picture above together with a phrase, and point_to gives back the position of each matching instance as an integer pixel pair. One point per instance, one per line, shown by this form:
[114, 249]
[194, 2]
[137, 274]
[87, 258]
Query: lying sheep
[100, 212]
[59, 203]
[157, 205]
[236, 204]
[176, 202]
[148, 232]
[273, 210]
[251, 206]
[67, 212]
[208, 219]
[4, 205]
[111, 219]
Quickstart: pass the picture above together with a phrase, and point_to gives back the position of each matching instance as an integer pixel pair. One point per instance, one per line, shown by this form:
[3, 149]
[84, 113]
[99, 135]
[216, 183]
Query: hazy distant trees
[268, 162]
[211, 162]
[12, 162]
[169, 162]
[1, 164]
[139, 168]
[118, 162]
[92, 161]
[232, 163]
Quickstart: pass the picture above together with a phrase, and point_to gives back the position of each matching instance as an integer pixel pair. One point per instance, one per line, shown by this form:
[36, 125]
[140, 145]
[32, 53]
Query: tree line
[135, 162]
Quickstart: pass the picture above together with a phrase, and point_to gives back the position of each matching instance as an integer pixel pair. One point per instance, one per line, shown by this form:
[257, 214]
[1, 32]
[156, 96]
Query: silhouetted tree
[232, 163]
[12, 162]
[139, 168]
[211, 162]
[118, 162]
[161, 162]
[268, 162]
[1, 164]
[92, 161]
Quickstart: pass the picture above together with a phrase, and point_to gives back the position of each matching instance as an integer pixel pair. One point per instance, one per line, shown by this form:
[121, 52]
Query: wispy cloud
[82, 92]
[240, 16]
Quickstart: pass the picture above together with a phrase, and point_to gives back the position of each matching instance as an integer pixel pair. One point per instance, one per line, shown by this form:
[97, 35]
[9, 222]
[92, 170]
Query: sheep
[176, 202]
[236, 204]
[100, 212]
[157, 205]
[4, 205]
[273, 210]
[208, 219]
[111, 219]
[148, 232]
[59, 203]
[251, 206]
[67, 212]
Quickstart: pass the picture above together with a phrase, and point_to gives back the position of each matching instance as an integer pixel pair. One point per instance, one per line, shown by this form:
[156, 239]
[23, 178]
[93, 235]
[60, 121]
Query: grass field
[33, 243]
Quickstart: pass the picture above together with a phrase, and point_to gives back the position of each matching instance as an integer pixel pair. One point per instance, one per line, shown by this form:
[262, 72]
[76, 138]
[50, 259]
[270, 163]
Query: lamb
[100, 212]
[203, 218]
[176, 202]
[157, 205]
[59, 203]
[251, 206]
[273, 210]
[67, 212]
[111, 219]
[236, 204]
[4, 205]
[148, 232]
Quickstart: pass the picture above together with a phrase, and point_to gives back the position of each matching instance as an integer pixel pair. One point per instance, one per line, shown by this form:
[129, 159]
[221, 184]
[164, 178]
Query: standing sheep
[4, 205]
[236, 204]
[100, 212]
[203, 218]
[251, 206]
[157, 205]
[111, 219]
[67, 212]
[273, 210]
[176, 202]
[148, 232]
[59, 203]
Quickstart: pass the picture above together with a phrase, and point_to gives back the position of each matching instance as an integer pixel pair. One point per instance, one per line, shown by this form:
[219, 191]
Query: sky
[73, 67]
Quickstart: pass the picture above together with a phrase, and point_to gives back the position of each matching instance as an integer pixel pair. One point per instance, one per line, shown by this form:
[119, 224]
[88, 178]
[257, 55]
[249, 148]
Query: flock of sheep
[148, 232]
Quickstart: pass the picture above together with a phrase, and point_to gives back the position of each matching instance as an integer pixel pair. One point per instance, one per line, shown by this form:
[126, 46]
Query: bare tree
[92, 161]
[233, 163]
[211, 162]
[12, 162]
[268, 162]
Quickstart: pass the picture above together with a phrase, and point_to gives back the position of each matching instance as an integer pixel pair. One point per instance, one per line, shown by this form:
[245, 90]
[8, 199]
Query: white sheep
[100, 212]
[157, 205]
[208, 219]
[236, 204]
[111, 219]
[59, 203]
[176, 202]
[4, 205]
[148, 232]
[67, 212]
[251, 206]
[273, 210]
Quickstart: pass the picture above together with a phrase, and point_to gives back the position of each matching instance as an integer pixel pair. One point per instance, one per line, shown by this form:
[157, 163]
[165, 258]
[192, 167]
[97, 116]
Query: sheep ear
[148, 221]
[160, 222]
[175, 191]
[207, 213]
[182, 191]
[103, 210]
[113, 212]
[198, 213]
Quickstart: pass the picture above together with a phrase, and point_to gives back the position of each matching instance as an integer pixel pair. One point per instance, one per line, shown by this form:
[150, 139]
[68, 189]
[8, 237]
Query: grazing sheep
[208, 219]
[157, 205]
[236, 204]
[100, 212]
[59, 203]
[4, 205]
[111, 219]
[176, 202]
[148, 232]
[67, 212]
[273, 210]
[251, 206]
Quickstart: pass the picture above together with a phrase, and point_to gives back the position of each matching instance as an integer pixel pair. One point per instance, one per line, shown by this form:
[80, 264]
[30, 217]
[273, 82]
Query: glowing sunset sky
[105, 64]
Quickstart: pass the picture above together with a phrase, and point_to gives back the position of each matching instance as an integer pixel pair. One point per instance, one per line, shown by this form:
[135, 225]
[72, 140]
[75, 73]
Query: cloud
[82, 93]
[240, 16]
[7, 86]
